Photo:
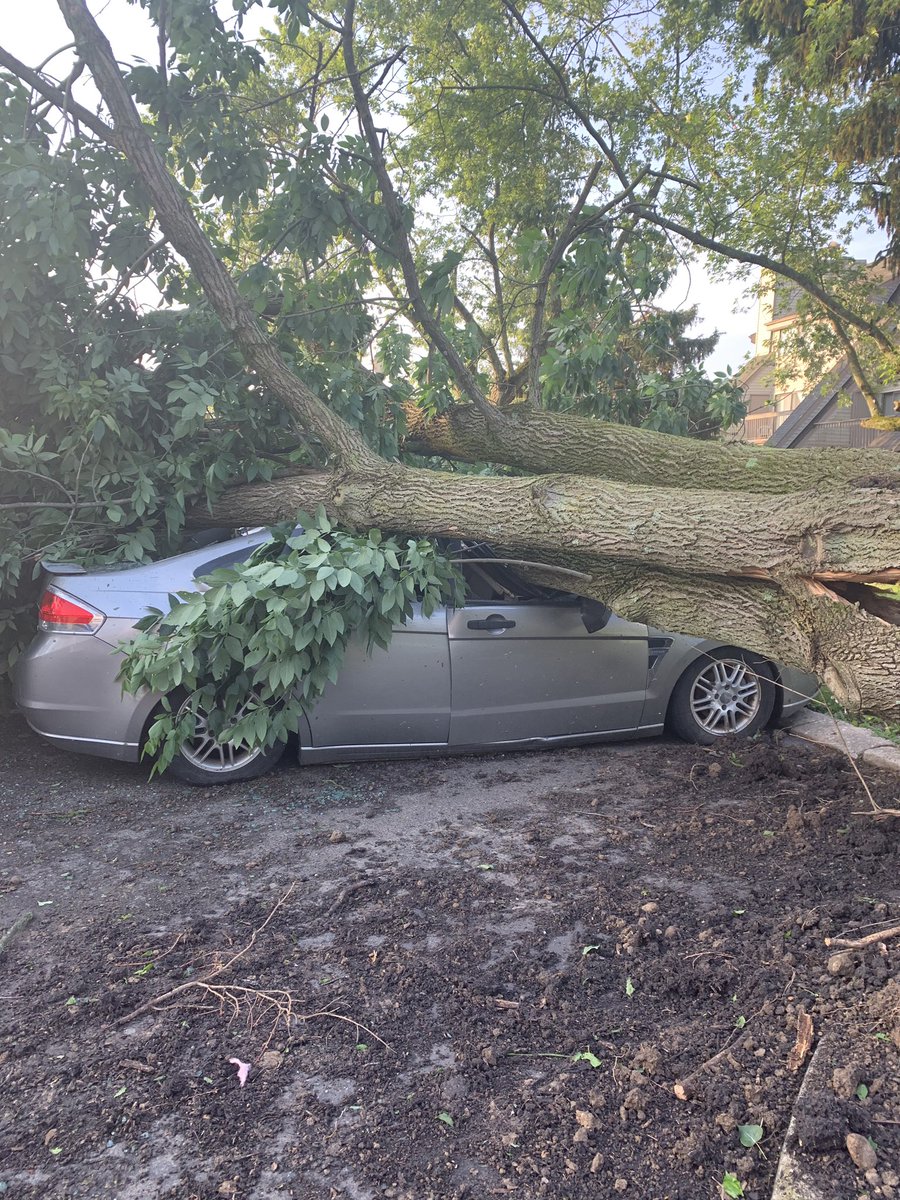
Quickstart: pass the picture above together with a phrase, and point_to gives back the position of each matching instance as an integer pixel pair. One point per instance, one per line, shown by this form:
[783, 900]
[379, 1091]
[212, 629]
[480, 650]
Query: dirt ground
[453, 978]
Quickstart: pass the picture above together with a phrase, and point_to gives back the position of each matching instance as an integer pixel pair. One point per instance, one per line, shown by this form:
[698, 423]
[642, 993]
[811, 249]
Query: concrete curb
[791, 1179]
[864, 747]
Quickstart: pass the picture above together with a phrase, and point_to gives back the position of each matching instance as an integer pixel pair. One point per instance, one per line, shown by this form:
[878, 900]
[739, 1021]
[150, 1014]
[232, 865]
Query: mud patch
[489, 986]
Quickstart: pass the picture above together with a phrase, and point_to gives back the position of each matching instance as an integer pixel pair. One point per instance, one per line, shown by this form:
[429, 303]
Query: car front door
[390, 698]
[531, 670]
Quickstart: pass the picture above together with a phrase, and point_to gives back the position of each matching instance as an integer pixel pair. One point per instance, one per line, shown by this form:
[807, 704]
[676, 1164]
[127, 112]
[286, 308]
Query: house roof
[814, 404]
[756, 363]
[811, 407]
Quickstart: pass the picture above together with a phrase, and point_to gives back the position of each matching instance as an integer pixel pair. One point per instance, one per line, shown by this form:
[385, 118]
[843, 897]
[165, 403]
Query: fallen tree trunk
[644, 564]
[843, 534]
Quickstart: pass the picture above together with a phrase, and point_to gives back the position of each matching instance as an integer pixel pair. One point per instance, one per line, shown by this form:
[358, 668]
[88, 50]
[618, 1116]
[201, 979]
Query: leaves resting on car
[260, 644]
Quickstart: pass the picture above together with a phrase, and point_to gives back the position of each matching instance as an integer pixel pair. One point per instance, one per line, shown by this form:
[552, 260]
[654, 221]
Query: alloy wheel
[725, 697]
[207, 754]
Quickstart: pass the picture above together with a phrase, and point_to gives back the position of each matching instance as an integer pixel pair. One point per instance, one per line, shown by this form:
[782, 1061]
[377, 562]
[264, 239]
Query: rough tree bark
[546, 441]
[752, 546]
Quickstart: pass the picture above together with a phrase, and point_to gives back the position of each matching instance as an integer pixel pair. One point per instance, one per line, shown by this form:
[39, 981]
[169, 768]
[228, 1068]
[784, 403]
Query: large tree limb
[849, 534]
[797, 622]
[177, 221]
[545, 441]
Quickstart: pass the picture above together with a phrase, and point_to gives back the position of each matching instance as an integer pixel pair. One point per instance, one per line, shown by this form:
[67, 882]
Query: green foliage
[586, 1056]
[259, 645]
[750, 1135]
[115, 418]
[826, 702]
[849, 52]
[731, 1186]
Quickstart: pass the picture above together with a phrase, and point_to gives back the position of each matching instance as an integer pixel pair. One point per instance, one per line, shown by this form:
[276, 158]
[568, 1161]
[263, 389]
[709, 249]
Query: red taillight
[59, 614]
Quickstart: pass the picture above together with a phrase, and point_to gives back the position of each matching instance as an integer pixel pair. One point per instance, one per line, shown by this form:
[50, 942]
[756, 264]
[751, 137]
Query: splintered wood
[803, 1042]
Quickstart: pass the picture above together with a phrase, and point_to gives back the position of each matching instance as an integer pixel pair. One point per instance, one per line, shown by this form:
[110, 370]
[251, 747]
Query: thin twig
[683, 1088]
[878, 812]
[348, 891]
[211, 974]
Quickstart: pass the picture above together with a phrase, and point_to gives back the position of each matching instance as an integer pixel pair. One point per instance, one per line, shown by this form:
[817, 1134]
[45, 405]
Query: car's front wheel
[724, 693]
[202, 760]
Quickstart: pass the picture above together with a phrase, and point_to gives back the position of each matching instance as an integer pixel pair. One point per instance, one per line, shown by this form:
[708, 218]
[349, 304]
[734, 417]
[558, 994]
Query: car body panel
[541, 679]
[67, 688]
[540, 674]
[387, 697]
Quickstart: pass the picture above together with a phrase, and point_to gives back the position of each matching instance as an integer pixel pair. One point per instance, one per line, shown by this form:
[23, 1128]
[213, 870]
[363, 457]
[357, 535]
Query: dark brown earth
[469, 978]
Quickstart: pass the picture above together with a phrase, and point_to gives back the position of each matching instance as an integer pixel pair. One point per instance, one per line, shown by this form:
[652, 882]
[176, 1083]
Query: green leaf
[445, 1118]
[586, 1056]
[629, 987]
[861, 1092]
[732, 1186]
[268, 630]
[750, 1134]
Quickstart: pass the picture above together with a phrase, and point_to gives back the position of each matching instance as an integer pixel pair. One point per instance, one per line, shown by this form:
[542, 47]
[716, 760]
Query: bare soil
[450, 978]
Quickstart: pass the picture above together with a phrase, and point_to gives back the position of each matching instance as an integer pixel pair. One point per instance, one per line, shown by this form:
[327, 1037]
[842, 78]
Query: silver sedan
[517, 666]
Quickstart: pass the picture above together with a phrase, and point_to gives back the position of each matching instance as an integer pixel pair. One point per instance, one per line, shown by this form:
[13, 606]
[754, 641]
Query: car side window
[498, 583]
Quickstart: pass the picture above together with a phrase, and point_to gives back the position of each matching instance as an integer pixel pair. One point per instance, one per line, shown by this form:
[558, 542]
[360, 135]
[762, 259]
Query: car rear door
[524, 671]
[394, 697]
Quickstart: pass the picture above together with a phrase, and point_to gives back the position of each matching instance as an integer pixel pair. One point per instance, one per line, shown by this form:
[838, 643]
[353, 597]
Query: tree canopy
[407, 262]
[849, 52]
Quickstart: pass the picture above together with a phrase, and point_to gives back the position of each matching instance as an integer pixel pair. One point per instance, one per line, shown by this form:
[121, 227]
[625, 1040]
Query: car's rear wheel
[202, 760]
[725, 693]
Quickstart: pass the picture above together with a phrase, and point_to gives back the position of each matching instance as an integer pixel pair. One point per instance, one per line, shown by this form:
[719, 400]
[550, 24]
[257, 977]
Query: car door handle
[493, 622]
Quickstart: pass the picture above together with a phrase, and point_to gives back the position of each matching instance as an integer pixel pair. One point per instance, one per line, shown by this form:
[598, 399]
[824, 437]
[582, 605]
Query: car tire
[723, 693]
[205, 764]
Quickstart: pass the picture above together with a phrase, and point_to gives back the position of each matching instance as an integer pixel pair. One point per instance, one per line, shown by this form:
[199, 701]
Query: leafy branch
[257, 648]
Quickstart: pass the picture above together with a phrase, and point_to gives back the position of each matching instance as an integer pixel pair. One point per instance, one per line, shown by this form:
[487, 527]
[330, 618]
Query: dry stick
[871, 939]
[684, 1087]
[142, 962]
[283, 1002]
[17, 927]
[236, 994]
[348, 891]
[212, 974]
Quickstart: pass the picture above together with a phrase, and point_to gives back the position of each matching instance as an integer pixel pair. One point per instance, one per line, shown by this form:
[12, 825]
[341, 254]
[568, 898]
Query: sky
[33, 30]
